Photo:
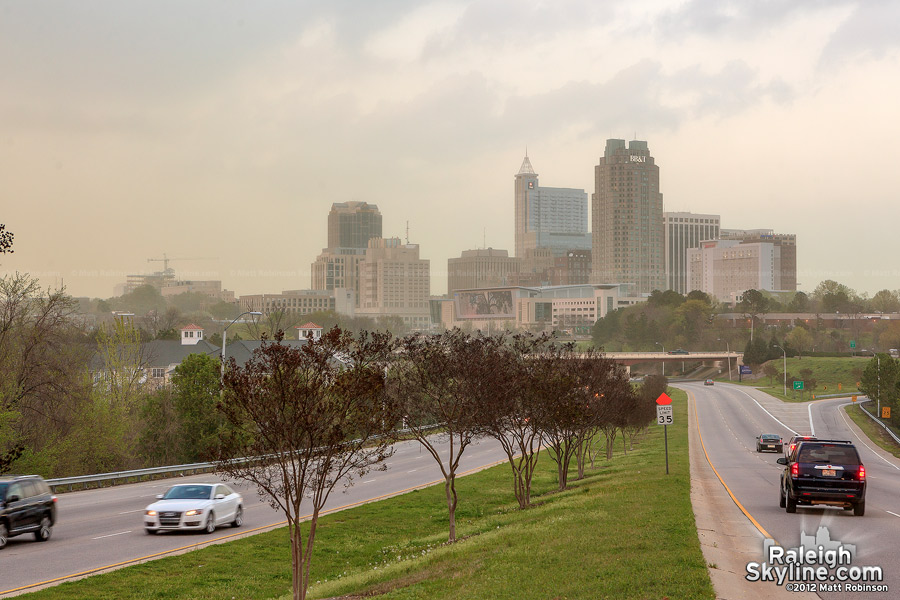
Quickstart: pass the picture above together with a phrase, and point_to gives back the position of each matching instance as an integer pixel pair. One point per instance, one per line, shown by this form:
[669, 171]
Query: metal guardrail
[124, 476]
[877, 420]
[138, 474]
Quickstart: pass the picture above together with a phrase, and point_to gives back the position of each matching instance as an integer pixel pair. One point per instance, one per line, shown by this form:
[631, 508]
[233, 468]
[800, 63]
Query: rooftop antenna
[407, 232]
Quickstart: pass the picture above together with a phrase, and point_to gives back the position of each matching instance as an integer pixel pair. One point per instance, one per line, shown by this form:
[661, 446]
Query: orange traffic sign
[663, 399]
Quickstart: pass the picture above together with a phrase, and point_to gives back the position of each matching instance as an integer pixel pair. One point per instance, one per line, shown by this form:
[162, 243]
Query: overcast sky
[224, 130]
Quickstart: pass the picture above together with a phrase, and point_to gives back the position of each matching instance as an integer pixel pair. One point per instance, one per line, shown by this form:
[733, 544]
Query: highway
[730, 418]
[104, 527]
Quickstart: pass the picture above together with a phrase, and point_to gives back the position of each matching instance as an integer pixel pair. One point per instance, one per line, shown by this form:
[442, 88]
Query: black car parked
[825, 472]
[26, 506]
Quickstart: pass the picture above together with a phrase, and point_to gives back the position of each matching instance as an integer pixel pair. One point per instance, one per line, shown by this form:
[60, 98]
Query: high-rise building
[786, 260]
[337, 268]
[685, 230]
[394, 281]
[353, 224]
[725, 269]
[548, 217]
[485, 267]
[628, 230]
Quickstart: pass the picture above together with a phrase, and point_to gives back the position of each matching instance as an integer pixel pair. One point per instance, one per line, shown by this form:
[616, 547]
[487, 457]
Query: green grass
[626, 531]
[871, 429]
[833, 375]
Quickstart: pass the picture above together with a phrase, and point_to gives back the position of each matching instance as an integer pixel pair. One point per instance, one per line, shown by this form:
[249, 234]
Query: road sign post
[665, 417]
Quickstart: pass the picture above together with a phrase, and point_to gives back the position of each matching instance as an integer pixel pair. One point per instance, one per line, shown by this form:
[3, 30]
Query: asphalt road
[103, 528]
[730, 419]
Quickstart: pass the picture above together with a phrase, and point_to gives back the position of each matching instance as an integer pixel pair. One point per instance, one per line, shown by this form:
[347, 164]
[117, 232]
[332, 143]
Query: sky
[219, 133]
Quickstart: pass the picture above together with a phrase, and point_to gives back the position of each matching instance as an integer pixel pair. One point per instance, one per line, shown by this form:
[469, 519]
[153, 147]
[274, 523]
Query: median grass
[625, 531]
[871, 428]
[833, 375]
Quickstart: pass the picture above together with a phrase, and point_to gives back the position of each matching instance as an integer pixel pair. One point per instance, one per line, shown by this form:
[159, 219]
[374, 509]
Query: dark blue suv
[26, 506]
[825, 472]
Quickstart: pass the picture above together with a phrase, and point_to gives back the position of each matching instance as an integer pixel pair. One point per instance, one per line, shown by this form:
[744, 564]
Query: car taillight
[862, 473]
[54, 498]
[795, 470]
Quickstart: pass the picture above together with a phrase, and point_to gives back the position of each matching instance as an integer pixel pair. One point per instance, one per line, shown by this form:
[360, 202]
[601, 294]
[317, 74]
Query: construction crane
[165, 261]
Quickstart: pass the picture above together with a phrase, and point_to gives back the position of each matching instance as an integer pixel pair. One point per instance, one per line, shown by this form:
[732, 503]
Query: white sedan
[196, 506]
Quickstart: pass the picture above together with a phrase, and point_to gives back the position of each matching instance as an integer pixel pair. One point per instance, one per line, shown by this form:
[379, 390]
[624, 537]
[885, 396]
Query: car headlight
[150, 513]
[191, 513]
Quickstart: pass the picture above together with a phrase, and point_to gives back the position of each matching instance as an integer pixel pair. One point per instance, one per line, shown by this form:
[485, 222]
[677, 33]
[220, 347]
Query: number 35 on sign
[664, 415]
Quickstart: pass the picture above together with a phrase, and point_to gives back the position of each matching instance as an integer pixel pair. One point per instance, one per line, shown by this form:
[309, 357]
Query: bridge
[632, 358]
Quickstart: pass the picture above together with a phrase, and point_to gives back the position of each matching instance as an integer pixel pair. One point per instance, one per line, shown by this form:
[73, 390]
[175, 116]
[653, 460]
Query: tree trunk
[297, 579]
[450, 489]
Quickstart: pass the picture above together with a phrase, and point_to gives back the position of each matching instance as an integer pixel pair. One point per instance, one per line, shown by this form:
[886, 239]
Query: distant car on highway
[708, 382]
[26, 506]
[195, 506]
[679, 351]
[769, 441]
[824, 472]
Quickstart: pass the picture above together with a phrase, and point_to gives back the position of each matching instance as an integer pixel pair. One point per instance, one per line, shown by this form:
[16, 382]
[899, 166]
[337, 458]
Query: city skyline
[139, 131]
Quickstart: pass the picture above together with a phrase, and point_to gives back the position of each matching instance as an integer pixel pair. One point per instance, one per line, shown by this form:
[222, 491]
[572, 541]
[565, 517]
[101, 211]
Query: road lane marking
[892, 513]
[811, 427]
[791, 429]
[413, 471]
[367, 481]
[128, 512]
[722, 481]
[111, 535]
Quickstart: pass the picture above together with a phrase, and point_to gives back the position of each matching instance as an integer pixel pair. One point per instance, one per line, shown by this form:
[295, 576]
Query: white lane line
[368, 481]
[413, 471]
[892, 513]
[128, 512]
[111, 535]
[791, 429]
[862, 441]
[811, 427]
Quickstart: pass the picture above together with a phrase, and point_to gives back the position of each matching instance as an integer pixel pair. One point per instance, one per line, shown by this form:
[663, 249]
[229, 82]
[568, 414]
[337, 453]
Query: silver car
[195, 506]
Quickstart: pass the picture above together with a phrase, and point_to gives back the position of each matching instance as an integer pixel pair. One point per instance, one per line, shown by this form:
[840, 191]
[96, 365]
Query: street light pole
[785, 368]
[728, 352]
[664, 358]
[225, 333]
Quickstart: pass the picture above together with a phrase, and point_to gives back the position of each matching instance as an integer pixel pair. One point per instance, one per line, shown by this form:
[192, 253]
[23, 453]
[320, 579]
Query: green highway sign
[852, 344]
[798, 385]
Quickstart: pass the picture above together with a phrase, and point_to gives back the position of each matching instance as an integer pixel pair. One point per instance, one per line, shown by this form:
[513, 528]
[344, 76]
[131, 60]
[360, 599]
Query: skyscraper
[685, 230]
[548, 217]
[353, 224]
[628, 230]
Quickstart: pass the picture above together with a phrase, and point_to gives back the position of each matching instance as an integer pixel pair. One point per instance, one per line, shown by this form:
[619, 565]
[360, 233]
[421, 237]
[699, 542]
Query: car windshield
[839, 455]
[189, 492]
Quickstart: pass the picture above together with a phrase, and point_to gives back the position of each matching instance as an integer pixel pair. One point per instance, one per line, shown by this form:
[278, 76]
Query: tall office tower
[785, 267]
[685, 230]
[725, 269]
[394, 281]
[628, 229]
[353, 224]
[486, 267]
[547, 217]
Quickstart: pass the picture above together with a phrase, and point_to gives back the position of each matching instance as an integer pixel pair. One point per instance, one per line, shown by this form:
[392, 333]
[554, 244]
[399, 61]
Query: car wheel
[781, 497]
[45, 530]
[859, 509]
[4, 536]
[238, 517]
[150, 531]
[790, 505]
[210, 523]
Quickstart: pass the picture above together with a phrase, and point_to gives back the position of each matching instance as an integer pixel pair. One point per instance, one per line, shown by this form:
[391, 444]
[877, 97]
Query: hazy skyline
[226, 130]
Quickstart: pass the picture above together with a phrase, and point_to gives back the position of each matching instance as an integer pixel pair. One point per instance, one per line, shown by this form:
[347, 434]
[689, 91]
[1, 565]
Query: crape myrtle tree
[642, 411]
[514, 413]
[444, 379]
[319, 415]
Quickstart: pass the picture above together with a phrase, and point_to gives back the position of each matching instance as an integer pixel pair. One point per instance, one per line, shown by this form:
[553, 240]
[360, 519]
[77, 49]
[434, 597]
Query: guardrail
[877, 420]
[138, 474]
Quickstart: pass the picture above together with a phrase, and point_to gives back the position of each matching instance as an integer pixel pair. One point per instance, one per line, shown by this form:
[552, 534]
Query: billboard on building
[485, 304]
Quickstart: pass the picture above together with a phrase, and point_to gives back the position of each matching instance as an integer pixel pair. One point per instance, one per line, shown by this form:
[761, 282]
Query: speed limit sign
[664, 415]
